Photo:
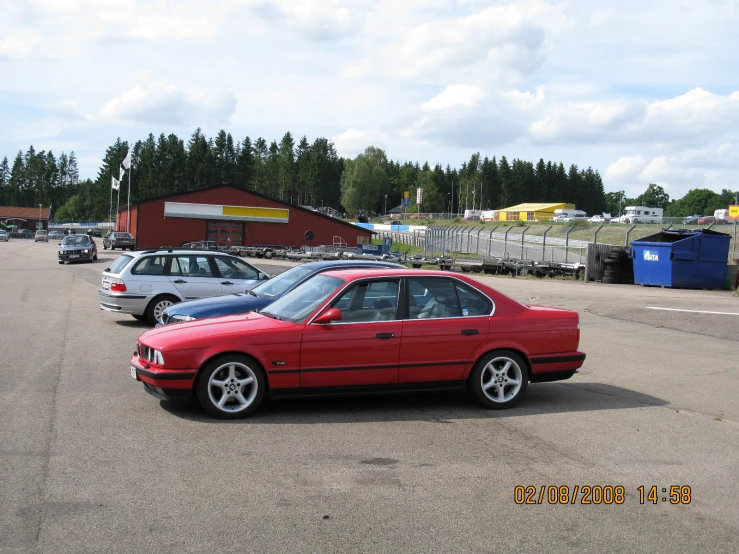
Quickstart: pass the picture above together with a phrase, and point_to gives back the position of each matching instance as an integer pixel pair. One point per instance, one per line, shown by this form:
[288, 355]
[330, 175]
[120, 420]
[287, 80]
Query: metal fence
[502, 241]
[88, 224]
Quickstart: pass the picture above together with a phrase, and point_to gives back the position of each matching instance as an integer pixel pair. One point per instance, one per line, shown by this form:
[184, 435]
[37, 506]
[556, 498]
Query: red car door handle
[180, 281]
[385, 335]
[470, 331]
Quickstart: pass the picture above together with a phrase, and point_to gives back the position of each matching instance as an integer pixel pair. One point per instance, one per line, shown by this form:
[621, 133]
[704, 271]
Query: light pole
[451, 205]
[39, 217]
[386, 205]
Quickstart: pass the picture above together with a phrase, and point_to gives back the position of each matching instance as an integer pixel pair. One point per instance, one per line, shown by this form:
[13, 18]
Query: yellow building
[530, 212]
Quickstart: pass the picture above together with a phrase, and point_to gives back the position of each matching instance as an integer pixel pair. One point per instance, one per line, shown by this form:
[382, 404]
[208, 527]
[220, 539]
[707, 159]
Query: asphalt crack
[51, 434]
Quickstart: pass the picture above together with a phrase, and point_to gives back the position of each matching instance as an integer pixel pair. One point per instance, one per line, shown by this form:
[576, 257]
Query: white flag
[121, 173]
[114, 183]
[127, 160]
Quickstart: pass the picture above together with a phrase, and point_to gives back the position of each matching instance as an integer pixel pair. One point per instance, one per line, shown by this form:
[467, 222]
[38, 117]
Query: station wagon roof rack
[189, 251]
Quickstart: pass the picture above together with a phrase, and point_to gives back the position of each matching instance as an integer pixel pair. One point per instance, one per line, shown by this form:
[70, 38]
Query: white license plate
[74, 255]
[106, 285]
[133, 373]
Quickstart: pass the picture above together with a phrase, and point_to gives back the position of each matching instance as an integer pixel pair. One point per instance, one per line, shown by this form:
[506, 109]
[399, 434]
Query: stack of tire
[618, 268]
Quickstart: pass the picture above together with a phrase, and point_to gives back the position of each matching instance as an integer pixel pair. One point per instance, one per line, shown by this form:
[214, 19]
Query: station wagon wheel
[499, 379]
[231, 386]
[156, 307]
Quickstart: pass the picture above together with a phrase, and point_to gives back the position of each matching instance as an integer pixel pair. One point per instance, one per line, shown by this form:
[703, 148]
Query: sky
[644, 92]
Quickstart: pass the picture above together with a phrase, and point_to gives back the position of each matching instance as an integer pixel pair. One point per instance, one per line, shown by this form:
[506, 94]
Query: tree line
[304, 173]
[480, 183]
[38, 178]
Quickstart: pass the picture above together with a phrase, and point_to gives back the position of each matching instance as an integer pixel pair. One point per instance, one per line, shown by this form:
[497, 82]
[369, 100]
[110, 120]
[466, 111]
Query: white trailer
[641, 214]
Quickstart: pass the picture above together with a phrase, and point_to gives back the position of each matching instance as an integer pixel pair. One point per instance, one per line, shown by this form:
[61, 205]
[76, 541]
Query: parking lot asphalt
[90, 463]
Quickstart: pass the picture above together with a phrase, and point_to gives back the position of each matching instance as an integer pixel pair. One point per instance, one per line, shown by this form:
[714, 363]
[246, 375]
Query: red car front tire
[231, 386]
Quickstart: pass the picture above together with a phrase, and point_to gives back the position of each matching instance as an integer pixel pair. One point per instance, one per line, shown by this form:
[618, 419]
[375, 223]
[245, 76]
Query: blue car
[260, 296]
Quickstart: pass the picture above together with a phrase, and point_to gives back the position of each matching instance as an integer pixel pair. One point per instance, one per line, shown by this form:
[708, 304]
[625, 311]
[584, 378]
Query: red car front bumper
[165, 384]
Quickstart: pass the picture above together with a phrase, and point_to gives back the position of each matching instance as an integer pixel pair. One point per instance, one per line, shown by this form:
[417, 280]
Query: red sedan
[363, 331]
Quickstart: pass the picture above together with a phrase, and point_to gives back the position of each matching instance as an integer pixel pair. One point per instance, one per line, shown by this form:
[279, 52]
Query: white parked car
[3, 236]
[564, 216]
[600, 218]
[145, 283]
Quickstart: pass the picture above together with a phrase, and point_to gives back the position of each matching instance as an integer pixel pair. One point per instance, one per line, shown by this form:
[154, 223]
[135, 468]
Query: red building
[233, 217]
[12, 217]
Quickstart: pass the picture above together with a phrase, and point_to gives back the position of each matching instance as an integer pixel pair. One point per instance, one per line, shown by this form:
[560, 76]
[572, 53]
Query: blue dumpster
[682, 259]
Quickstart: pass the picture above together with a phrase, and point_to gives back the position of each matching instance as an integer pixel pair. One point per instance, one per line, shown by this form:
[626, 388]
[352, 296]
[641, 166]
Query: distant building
[12, 217]
[233, 217]
[529, 212]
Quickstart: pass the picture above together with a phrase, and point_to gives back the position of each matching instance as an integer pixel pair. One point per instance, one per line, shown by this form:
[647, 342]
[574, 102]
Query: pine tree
[541, 192]
[245, 165]
[286, 169]
[4, 178]
[261, 154]
[15, 182]
[574, 188]
[305, 172]
[506, 184]
[200, 167]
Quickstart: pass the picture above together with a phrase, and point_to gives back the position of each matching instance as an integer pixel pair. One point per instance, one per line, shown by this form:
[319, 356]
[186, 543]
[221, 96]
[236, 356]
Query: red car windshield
[300, 302]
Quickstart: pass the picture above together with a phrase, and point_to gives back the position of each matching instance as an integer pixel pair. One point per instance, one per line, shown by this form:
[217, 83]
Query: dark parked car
[261, 295]
[78, 248]
[118, 239]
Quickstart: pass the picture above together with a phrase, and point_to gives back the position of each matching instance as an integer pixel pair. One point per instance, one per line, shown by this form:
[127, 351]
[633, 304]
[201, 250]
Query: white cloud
[453, 96]
[500, 42]
[64, 28]
[319, 20]
[353, 141]
[695, 112]
[625, 169]
[714, 167]
[164, 104]
[24, 44]
[159, 27]
[545, 119]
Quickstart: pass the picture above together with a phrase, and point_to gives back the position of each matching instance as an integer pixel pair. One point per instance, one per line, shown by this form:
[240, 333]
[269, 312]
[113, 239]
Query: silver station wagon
[145, 283]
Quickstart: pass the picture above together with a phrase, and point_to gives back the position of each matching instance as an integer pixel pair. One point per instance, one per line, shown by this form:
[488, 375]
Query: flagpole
[118, 209]
[110, 209]
[128, 209]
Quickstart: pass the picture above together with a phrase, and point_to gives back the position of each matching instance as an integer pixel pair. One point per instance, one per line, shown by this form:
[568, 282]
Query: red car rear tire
[499, 379]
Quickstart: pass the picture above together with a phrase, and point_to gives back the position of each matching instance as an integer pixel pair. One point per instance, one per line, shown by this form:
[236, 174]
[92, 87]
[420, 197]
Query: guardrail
[86, 224]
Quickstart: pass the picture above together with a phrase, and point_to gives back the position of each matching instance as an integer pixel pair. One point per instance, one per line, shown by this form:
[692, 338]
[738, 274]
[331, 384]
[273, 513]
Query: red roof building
[24, 218]
[233, 217]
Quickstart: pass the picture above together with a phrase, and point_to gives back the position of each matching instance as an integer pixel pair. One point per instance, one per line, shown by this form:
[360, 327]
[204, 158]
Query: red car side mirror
[329, 316]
